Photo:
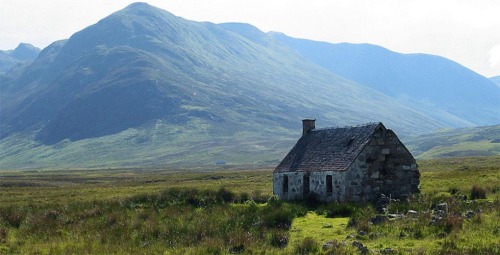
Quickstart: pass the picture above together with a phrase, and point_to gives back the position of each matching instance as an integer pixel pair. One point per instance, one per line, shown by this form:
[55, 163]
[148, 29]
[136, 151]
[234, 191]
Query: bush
[225, 195]
[307, 246]
[213, 246]
[477, 192]
[339, 210]
[279, 238]
[274, 201]
[3, 235]
[13, 216]
[361, 219]
[453, 190]
[278, 218]
[453, 222]
[243, 197]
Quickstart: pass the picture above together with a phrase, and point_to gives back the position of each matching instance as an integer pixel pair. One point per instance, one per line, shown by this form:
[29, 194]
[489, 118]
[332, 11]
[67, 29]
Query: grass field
[221, 211]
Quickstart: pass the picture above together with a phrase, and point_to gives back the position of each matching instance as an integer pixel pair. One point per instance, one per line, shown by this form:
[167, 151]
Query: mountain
[430, 83]
[496, 80]
[144, 87]
[24, 52]
[462, 142]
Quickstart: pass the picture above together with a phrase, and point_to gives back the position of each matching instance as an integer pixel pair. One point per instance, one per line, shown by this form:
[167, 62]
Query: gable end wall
[383, 166]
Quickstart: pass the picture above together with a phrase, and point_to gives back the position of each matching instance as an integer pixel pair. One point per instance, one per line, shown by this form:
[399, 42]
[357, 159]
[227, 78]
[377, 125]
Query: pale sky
[466, 31]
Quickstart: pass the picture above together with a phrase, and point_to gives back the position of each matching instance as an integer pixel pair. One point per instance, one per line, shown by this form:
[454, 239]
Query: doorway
[306, 185]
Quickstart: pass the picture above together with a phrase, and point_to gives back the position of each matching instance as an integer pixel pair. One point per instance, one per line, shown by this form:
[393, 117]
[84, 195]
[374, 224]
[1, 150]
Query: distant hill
[144, 87]
[463, 142]
[496, 80]
[24, 52]
[429, 83]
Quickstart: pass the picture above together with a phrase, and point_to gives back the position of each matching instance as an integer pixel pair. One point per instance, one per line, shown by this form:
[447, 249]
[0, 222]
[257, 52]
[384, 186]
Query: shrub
[278, 218]
[449, 246]
[13, 216]
[3, 235]
[339, 210]
[453, 222]
[361, 219]
[225, 195]
[252, 206]
[274, 201]
[453, 190]
[307, 246]
[279, 238]
[243, 197]
[213, 246]
[477, 192]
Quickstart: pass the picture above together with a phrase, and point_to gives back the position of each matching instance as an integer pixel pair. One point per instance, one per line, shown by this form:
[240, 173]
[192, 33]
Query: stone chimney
[308, 125]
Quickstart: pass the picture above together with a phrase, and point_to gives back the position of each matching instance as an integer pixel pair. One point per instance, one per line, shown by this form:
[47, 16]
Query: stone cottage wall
[389, 168]
[384, 166]
[295, 187]
[317, 185]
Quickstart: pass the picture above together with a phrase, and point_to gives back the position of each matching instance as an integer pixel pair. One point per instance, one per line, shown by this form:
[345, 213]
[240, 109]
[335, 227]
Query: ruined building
[354, 164]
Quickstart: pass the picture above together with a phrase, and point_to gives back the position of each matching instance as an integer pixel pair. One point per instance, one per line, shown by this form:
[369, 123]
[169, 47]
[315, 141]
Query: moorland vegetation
[137, 211]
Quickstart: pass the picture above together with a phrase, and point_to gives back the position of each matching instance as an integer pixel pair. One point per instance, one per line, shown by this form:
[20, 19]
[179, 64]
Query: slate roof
[329, 149]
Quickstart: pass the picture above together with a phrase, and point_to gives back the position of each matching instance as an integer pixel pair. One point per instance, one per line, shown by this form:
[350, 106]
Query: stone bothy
[354, 164]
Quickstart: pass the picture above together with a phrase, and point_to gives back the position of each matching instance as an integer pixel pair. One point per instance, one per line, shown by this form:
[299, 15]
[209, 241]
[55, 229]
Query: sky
[465, 31]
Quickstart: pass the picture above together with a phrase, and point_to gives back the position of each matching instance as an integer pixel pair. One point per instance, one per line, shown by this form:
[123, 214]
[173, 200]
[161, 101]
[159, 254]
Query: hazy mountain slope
[477, 141]
[496, 80]
[24, 52]
[143, 86]
[431, 83]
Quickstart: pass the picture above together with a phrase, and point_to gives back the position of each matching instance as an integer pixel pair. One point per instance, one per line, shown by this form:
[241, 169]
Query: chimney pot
[308, 125]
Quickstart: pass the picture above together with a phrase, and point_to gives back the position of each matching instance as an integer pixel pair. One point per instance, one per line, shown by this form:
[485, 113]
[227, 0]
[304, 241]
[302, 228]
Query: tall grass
[173, 219]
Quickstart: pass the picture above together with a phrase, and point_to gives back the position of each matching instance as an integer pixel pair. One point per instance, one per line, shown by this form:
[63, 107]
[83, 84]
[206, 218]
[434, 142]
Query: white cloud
[494, 57]
[461, 30]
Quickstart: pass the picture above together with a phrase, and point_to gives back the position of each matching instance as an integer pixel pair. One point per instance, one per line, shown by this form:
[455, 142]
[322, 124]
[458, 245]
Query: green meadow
[232, 211]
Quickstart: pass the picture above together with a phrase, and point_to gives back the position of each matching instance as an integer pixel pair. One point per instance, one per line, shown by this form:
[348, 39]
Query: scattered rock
[379, 219]
[442, 207]
[373, 235]
[440, 214]
[328, 225]
[333, 244]
[351, 236]
[382, 203]
[328, 245]
[389, 250]
[412, 214]
[357, 244]
[469, 214]
[362, 233]
[395, 216]
[364, 250]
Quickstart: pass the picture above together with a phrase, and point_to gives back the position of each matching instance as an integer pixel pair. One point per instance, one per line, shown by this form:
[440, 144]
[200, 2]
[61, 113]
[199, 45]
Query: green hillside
[464, 142]
[144, 87]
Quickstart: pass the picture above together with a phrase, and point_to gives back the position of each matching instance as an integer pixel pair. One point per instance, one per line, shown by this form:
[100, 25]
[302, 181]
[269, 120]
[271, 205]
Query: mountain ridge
[422, 79]
[21, 55]
[160, 89]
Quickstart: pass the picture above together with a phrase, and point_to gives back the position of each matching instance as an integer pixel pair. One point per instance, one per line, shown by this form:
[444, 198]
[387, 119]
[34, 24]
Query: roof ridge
[332, 149]
[356, 126]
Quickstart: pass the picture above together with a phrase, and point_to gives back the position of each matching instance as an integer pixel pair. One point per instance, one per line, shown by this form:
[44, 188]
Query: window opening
[285, 184]
[329, 184]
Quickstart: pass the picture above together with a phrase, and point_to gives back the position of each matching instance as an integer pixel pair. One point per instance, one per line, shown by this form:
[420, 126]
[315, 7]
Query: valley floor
[138, 211]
